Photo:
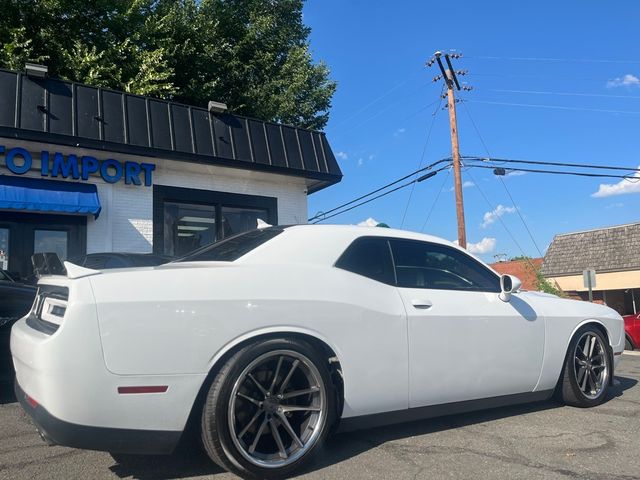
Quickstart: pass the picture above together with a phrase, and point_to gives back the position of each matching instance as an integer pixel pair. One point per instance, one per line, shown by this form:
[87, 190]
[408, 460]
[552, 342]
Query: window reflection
[187, 227]
[4, 249]
[238, 220]
[55, 241]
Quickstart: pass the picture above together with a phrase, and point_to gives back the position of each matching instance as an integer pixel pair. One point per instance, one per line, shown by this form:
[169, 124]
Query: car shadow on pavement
[343, 446]
[621, 384]
[190, 460]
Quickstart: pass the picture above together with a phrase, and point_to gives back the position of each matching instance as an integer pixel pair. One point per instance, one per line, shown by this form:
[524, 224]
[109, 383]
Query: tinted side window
[428, 265]
[370, 257]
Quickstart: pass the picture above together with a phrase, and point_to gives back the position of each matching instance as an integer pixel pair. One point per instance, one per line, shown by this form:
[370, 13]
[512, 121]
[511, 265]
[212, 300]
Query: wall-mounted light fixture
[35, 70]
[217, 107]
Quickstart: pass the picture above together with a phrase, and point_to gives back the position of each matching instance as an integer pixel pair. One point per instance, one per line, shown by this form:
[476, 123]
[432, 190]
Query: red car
[632, 330]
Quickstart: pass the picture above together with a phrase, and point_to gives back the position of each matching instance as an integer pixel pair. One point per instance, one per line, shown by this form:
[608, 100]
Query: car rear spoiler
[48, 263]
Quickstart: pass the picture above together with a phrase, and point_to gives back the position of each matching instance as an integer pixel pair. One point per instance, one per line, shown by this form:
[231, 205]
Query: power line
[499, 218]
[375, 100]
[428, 167]
[567, 94]
[556, 107]
[424, 150]
[475, 127]
[380, 112]
[555, 164]
[504, 185]
[555, 59]
[433, 205]
[555, 76]
[535, 244]
[557, 172]
[364, 202]
[388, 107]
[424, 177]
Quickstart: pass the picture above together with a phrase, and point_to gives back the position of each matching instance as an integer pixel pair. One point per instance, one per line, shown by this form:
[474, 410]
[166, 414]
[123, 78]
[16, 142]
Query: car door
[374, 334]
[464, 342]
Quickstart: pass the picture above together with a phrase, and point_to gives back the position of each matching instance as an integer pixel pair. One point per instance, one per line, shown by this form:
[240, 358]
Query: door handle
[421, 304]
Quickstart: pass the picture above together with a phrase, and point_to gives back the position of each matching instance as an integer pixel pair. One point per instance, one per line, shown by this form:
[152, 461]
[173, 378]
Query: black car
[102, 261]
[15, 302]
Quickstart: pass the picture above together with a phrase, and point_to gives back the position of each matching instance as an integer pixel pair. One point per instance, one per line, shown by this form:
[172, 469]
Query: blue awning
[40, 195]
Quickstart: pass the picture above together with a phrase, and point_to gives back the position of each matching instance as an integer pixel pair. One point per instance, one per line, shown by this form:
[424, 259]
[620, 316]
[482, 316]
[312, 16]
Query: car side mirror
[508, 285]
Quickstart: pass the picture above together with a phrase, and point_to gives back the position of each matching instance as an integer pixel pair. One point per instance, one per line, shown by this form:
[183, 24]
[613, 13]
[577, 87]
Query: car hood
[552, 303]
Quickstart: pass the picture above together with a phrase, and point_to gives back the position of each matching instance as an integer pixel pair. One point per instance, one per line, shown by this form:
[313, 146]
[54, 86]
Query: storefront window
[51, 241]
[238, 220]
[191, 226]
[186, 219]
[4, 249]
[187, 227]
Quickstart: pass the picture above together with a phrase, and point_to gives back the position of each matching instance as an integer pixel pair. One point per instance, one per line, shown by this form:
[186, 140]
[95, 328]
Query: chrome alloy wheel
[277, 409]
[590, 365]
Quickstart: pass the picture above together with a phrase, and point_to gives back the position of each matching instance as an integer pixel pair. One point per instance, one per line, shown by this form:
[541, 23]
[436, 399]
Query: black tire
[229, 450]
[627, 344]
[574, 378]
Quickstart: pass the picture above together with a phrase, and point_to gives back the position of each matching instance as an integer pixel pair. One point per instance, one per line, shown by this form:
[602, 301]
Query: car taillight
[49, 308]
[53, 310]
[31, 401]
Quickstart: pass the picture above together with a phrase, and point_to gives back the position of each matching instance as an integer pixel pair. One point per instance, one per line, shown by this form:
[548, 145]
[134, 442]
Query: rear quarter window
[369, 257]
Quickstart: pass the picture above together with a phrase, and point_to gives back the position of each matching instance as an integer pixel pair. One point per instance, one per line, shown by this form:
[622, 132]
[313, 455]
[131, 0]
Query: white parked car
[269, 340]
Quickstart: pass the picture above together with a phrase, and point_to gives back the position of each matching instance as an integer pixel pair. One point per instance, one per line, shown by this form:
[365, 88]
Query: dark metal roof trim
[66, 113]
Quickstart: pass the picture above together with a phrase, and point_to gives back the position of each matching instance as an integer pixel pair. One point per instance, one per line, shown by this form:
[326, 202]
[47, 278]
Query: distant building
[613, 252]
[524, 269]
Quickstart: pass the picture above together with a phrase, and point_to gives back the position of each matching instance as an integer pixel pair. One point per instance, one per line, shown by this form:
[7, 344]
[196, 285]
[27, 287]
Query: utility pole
[451, 82]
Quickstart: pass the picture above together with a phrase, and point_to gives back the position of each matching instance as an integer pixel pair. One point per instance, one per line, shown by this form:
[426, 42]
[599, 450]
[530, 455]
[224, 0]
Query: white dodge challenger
[269, 340]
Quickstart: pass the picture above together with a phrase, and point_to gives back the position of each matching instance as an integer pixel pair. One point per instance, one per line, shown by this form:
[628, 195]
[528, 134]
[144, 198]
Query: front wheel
[268, 409]
[587, 369]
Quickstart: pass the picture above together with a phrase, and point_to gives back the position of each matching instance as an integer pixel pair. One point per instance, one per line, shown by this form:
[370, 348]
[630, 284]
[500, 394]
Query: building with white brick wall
[86, 170]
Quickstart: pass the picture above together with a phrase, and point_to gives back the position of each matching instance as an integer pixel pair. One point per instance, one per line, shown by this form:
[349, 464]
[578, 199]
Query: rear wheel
[587, 369]
[268, 409]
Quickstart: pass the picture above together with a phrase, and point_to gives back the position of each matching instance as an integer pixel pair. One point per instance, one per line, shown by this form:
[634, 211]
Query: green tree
[546, 286]
[251, 54]
[542, 283]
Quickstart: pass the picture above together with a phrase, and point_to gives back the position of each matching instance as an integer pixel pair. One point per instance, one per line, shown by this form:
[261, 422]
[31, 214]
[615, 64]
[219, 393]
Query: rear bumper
[65, 372]
[115, 440]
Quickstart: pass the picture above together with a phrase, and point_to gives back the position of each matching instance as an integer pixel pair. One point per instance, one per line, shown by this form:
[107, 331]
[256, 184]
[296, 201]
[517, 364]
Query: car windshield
[232, 248]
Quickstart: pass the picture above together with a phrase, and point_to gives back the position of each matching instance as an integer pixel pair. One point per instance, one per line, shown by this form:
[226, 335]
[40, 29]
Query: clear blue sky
[378, 128]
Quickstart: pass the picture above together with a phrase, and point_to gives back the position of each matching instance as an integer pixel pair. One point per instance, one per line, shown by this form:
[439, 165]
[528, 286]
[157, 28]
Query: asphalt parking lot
[544, 440]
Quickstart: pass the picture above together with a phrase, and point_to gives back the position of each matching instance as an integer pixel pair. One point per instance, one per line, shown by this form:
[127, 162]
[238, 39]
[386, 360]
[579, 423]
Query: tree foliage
[542, 283]
[251, 54]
